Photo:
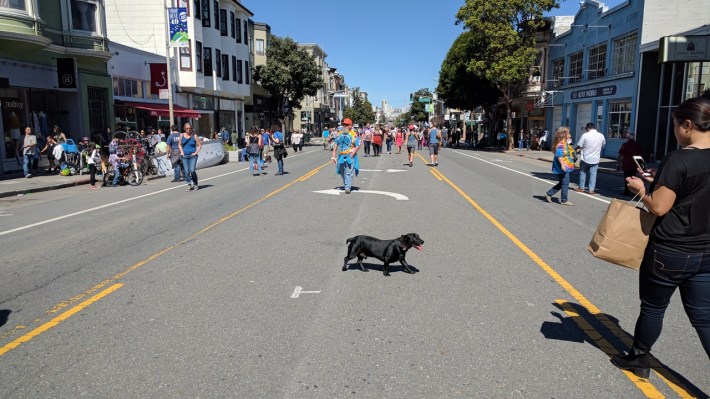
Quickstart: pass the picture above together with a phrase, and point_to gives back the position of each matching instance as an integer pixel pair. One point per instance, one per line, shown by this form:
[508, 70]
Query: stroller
[72, 156]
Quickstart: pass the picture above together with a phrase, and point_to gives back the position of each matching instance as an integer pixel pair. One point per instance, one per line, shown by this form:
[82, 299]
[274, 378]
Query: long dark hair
[696, 110]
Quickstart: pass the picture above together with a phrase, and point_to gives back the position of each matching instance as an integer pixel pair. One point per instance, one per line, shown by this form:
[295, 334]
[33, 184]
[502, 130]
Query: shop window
[575, 67]
[619, 118]
[83, 15]
[597, 62]
[624, 54]
[127, 88]
[16, 4]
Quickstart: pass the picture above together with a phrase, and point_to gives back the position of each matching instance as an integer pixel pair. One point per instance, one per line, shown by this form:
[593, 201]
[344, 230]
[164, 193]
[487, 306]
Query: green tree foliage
[361, 110]
[417, 112]
[504, 33]
[290, 74]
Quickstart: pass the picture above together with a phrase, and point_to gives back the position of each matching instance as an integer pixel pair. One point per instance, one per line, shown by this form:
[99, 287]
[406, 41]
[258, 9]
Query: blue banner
[177, 19]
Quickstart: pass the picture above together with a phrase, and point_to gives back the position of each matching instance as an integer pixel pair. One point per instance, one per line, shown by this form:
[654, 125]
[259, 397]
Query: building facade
[213, 72]
[53, 56]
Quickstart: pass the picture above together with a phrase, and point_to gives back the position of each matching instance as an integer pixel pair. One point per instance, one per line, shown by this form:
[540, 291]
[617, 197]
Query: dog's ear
[405, 239]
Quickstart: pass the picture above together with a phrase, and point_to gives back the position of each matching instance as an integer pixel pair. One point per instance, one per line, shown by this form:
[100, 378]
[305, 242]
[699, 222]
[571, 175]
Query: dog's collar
[402, 244]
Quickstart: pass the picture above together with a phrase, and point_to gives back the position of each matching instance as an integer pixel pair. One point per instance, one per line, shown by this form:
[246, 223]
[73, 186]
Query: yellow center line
[55, 321]
[137, 265]
[667, 377]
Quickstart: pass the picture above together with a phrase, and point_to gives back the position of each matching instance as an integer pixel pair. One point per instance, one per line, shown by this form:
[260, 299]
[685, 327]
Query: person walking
[399, 140]
[189, 146]
[280, 152]
[253, 148]
[367, 139]
[389, 139]
[412, 140]
[678, 251]
[625, 160]
[377, 141]
[93, 160]
[28, 151]
[344, 154]
[296, 138]
[590, 145]
[49, 149]
[265, 146]
[562, 165]
[173, 142]
[434, 140]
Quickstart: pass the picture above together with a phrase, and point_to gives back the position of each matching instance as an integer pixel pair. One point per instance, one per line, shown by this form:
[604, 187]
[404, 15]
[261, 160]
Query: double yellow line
[643, 385]
[113, 280]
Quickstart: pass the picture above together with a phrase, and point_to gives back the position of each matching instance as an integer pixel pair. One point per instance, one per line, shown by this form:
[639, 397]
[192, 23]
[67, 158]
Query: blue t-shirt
[173, 141]
[265, 139]
[278, 135]
[326, 133]
[188, 145]
[432, 136]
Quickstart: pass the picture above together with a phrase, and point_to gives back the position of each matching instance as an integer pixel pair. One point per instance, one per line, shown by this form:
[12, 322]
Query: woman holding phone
[678, 252]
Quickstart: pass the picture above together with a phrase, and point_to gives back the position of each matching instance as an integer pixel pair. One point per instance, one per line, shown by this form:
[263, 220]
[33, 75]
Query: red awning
[162, 109]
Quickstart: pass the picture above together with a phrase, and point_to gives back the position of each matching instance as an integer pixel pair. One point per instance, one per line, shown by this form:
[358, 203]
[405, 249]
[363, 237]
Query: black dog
[388, 251]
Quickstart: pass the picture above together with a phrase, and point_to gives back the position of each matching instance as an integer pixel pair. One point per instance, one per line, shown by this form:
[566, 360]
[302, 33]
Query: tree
[361, 110]
[290, 74]
[417, 112]
[504, 33]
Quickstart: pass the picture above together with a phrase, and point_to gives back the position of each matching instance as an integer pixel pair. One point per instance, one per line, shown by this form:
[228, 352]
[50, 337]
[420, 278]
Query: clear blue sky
[388, 48]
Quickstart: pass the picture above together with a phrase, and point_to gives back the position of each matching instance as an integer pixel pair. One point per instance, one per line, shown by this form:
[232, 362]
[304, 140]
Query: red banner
[158, 78]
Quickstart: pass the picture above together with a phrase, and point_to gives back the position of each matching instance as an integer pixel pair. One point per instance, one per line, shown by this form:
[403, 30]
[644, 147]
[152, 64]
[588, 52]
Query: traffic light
[411, 97]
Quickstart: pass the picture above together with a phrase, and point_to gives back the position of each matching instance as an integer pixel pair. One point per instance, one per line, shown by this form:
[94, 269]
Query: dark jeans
[92, 174]
[662, 271]
[367, 147]
[562, 184]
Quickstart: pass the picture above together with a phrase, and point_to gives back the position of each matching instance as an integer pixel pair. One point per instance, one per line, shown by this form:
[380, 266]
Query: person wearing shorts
[434, 140]
[412, 140]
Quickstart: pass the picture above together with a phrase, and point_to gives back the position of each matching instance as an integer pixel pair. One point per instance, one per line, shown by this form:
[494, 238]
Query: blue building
[594, 69]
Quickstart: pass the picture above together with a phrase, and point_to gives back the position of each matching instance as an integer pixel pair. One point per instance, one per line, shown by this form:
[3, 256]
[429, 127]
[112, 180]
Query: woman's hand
[645, 174]
[636, 185]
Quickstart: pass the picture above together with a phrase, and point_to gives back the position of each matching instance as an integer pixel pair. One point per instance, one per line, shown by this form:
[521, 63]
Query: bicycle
[130, 174]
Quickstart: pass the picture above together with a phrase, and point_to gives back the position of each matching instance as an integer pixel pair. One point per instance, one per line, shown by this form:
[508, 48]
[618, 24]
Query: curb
[41, 189]
[600, 169]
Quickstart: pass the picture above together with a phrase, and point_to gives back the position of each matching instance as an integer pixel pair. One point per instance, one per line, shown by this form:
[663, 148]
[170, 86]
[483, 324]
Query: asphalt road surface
[236, 290]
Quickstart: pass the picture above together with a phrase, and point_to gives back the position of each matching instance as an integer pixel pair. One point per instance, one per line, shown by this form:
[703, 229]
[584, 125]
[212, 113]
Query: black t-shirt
[686, 227]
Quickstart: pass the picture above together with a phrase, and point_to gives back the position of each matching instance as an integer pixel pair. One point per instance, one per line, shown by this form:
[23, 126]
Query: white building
[212, 75]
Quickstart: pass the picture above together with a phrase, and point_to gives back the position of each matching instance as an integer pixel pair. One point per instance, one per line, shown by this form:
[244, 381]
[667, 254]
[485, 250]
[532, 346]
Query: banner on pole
[177, 18]
[158, 78]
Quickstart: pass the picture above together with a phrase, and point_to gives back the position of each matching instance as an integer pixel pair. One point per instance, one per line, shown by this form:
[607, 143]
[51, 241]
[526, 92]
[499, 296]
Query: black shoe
[635, 361]
[174, 180]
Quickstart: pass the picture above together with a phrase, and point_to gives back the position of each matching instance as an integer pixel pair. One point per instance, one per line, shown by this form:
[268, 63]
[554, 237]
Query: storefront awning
[162, 109]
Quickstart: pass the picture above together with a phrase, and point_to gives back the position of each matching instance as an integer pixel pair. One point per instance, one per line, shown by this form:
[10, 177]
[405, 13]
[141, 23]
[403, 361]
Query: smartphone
[642, 165]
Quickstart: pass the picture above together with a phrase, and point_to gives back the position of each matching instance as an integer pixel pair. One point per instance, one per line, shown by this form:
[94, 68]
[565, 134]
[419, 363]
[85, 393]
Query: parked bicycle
[130, 174]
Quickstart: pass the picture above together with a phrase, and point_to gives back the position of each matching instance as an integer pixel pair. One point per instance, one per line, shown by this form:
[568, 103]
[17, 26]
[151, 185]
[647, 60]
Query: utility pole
[167, 62]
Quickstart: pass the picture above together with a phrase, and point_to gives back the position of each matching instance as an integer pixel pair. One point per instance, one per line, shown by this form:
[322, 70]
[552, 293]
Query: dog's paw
[365, 270]
[408, 271]
[386, 274]
[345, 268]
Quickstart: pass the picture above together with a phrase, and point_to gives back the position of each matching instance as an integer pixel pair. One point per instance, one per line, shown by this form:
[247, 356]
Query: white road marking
[380, 170]
[532, 177]
[332, 191]
[299, 290]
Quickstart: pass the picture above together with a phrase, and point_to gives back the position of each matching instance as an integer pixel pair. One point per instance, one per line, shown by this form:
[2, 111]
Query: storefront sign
[66, 73]
[684, 48]
[158, 77]
[14, 104]
[596, 92]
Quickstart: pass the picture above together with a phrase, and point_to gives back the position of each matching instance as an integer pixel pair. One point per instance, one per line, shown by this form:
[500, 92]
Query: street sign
[424, 99]
[163, 94]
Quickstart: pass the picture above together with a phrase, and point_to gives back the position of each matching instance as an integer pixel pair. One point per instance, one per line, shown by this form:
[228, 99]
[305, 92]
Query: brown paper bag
[622, 234]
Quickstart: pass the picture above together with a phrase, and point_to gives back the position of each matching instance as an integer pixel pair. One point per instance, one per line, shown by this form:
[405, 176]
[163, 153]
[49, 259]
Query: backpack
[112, 147]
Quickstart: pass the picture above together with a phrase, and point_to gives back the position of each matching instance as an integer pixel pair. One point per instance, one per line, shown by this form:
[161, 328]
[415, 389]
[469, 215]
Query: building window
[83, 15]
[239, 30]
[575, 67]
[247, 72]
[619, 118]
[186, 57]
[127, 87]
[246, 32]
[558, 71]
[225, 66]
[223, 22]
[218, 62]
[259, 47]
[197, 8]
[239, 71]
[216, 14]
[624, 54]
[16, 4]
[205, 13]
[198, 56]
[207, 57]
[231, 18]
[597, 61]
[234, 68]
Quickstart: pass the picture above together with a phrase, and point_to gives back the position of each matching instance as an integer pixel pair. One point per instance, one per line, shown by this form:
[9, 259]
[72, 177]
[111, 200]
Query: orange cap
[347, 121]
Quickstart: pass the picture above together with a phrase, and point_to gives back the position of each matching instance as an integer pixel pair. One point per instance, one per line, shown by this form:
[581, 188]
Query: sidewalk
[17, 184]
[606, 165]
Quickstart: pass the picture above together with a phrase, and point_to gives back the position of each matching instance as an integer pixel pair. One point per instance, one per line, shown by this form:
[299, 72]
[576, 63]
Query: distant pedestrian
[625, 161]
[590, 145]
[562, 165]
[253, 148]
[399, 140]
[434, 140]
[412, 140]
[543, 140]
[297, 141]
[344, 154]
[389, 138]
[280, 152]
[49, 149]
[93, 160]
[367, 139]
[190, 146]
[173, 142]
[28, 151]
[377, 137]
